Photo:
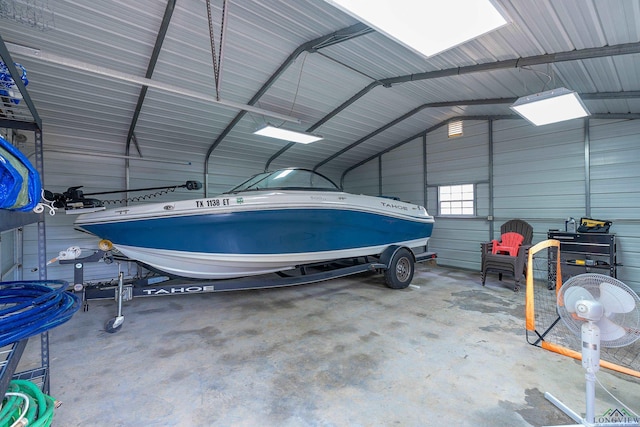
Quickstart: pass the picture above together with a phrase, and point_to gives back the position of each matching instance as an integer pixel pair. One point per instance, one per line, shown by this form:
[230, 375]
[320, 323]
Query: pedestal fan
[604, 312]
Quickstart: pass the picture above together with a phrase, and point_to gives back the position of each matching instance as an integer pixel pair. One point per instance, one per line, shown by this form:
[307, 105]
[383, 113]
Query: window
[456, 199]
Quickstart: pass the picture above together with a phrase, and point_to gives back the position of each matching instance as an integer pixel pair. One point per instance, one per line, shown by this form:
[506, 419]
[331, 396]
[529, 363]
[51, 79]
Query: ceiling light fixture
[427, 27]
[287, 135]
[552, 106]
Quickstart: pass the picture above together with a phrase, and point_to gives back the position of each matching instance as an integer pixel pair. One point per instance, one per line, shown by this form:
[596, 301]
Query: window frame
[460, 192]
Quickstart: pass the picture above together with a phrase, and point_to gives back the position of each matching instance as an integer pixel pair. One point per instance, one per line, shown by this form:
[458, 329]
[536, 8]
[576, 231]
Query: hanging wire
[548, 75]
[217, 58]
[295, 96]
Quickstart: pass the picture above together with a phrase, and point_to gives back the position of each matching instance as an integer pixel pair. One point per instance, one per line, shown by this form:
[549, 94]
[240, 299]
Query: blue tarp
[20, 185]
[10, 183]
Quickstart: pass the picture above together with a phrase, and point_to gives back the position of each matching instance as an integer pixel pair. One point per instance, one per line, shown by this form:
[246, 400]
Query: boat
[273, 222]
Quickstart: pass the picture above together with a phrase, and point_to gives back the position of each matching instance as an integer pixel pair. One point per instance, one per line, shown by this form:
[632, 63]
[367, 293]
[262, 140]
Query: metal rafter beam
[611, 95]
[597, 116]
[325, 119]
[574, 55]
[162, 32]
[411, 113]
[466, 103]
[549, 58]
[418, 135]
[314, 45]
[142, 81]
[614, 116]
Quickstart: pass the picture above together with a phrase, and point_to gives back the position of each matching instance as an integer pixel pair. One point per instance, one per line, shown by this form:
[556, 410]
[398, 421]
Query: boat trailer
[397, 263]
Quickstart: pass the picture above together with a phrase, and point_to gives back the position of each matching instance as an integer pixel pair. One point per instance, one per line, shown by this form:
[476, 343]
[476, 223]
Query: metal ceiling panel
[309, 86]
[620, 21]
[260, 36]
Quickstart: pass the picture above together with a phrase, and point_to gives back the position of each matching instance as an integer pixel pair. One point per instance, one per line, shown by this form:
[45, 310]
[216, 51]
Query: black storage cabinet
[585, 253]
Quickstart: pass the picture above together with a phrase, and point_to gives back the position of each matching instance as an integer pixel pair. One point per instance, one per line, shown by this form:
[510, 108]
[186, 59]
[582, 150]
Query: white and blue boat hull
[237, 235]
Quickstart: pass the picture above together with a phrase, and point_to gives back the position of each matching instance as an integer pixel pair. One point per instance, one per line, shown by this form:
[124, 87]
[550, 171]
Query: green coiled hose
[39, 408]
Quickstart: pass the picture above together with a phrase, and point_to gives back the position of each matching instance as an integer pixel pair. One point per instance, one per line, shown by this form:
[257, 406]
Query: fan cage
[591, 282]
[545, 329]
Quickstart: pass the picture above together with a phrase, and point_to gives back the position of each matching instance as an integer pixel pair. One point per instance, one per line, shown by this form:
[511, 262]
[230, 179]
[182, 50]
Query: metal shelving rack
[24, 116]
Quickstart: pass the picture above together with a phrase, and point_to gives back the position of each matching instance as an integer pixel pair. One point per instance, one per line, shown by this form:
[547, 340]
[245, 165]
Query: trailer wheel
[400, 271]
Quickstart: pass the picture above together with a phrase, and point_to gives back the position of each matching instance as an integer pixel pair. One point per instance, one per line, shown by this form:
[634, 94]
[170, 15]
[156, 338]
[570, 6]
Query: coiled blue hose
[29, 308]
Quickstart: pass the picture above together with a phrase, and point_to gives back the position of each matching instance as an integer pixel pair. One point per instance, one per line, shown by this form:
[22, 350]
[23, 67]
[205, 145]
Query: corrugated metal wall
[365, 179]
[540, 174]
[451, 161]
[403, 173]
[615, 189]
[97, 172]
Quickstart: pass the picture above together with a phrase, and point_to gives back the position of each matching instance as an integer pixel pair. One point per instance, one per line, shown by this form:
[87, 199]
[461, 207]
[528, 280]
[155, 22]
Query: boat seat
[509, 244]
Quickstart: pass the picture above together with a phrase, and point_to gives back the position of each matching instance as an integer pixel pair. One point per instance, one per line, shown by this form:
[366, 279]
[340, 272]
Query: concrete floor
[347, 352]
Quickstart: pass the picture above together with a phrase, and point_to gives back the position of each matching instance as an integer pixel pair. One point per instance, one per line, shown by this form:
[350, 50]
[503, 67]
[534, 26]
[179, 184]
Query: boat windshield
[287, 179]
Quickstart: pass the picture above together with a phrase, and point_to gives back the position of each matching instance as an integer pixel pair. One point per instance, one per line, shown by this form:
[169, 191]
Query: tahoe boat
[273, 222]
